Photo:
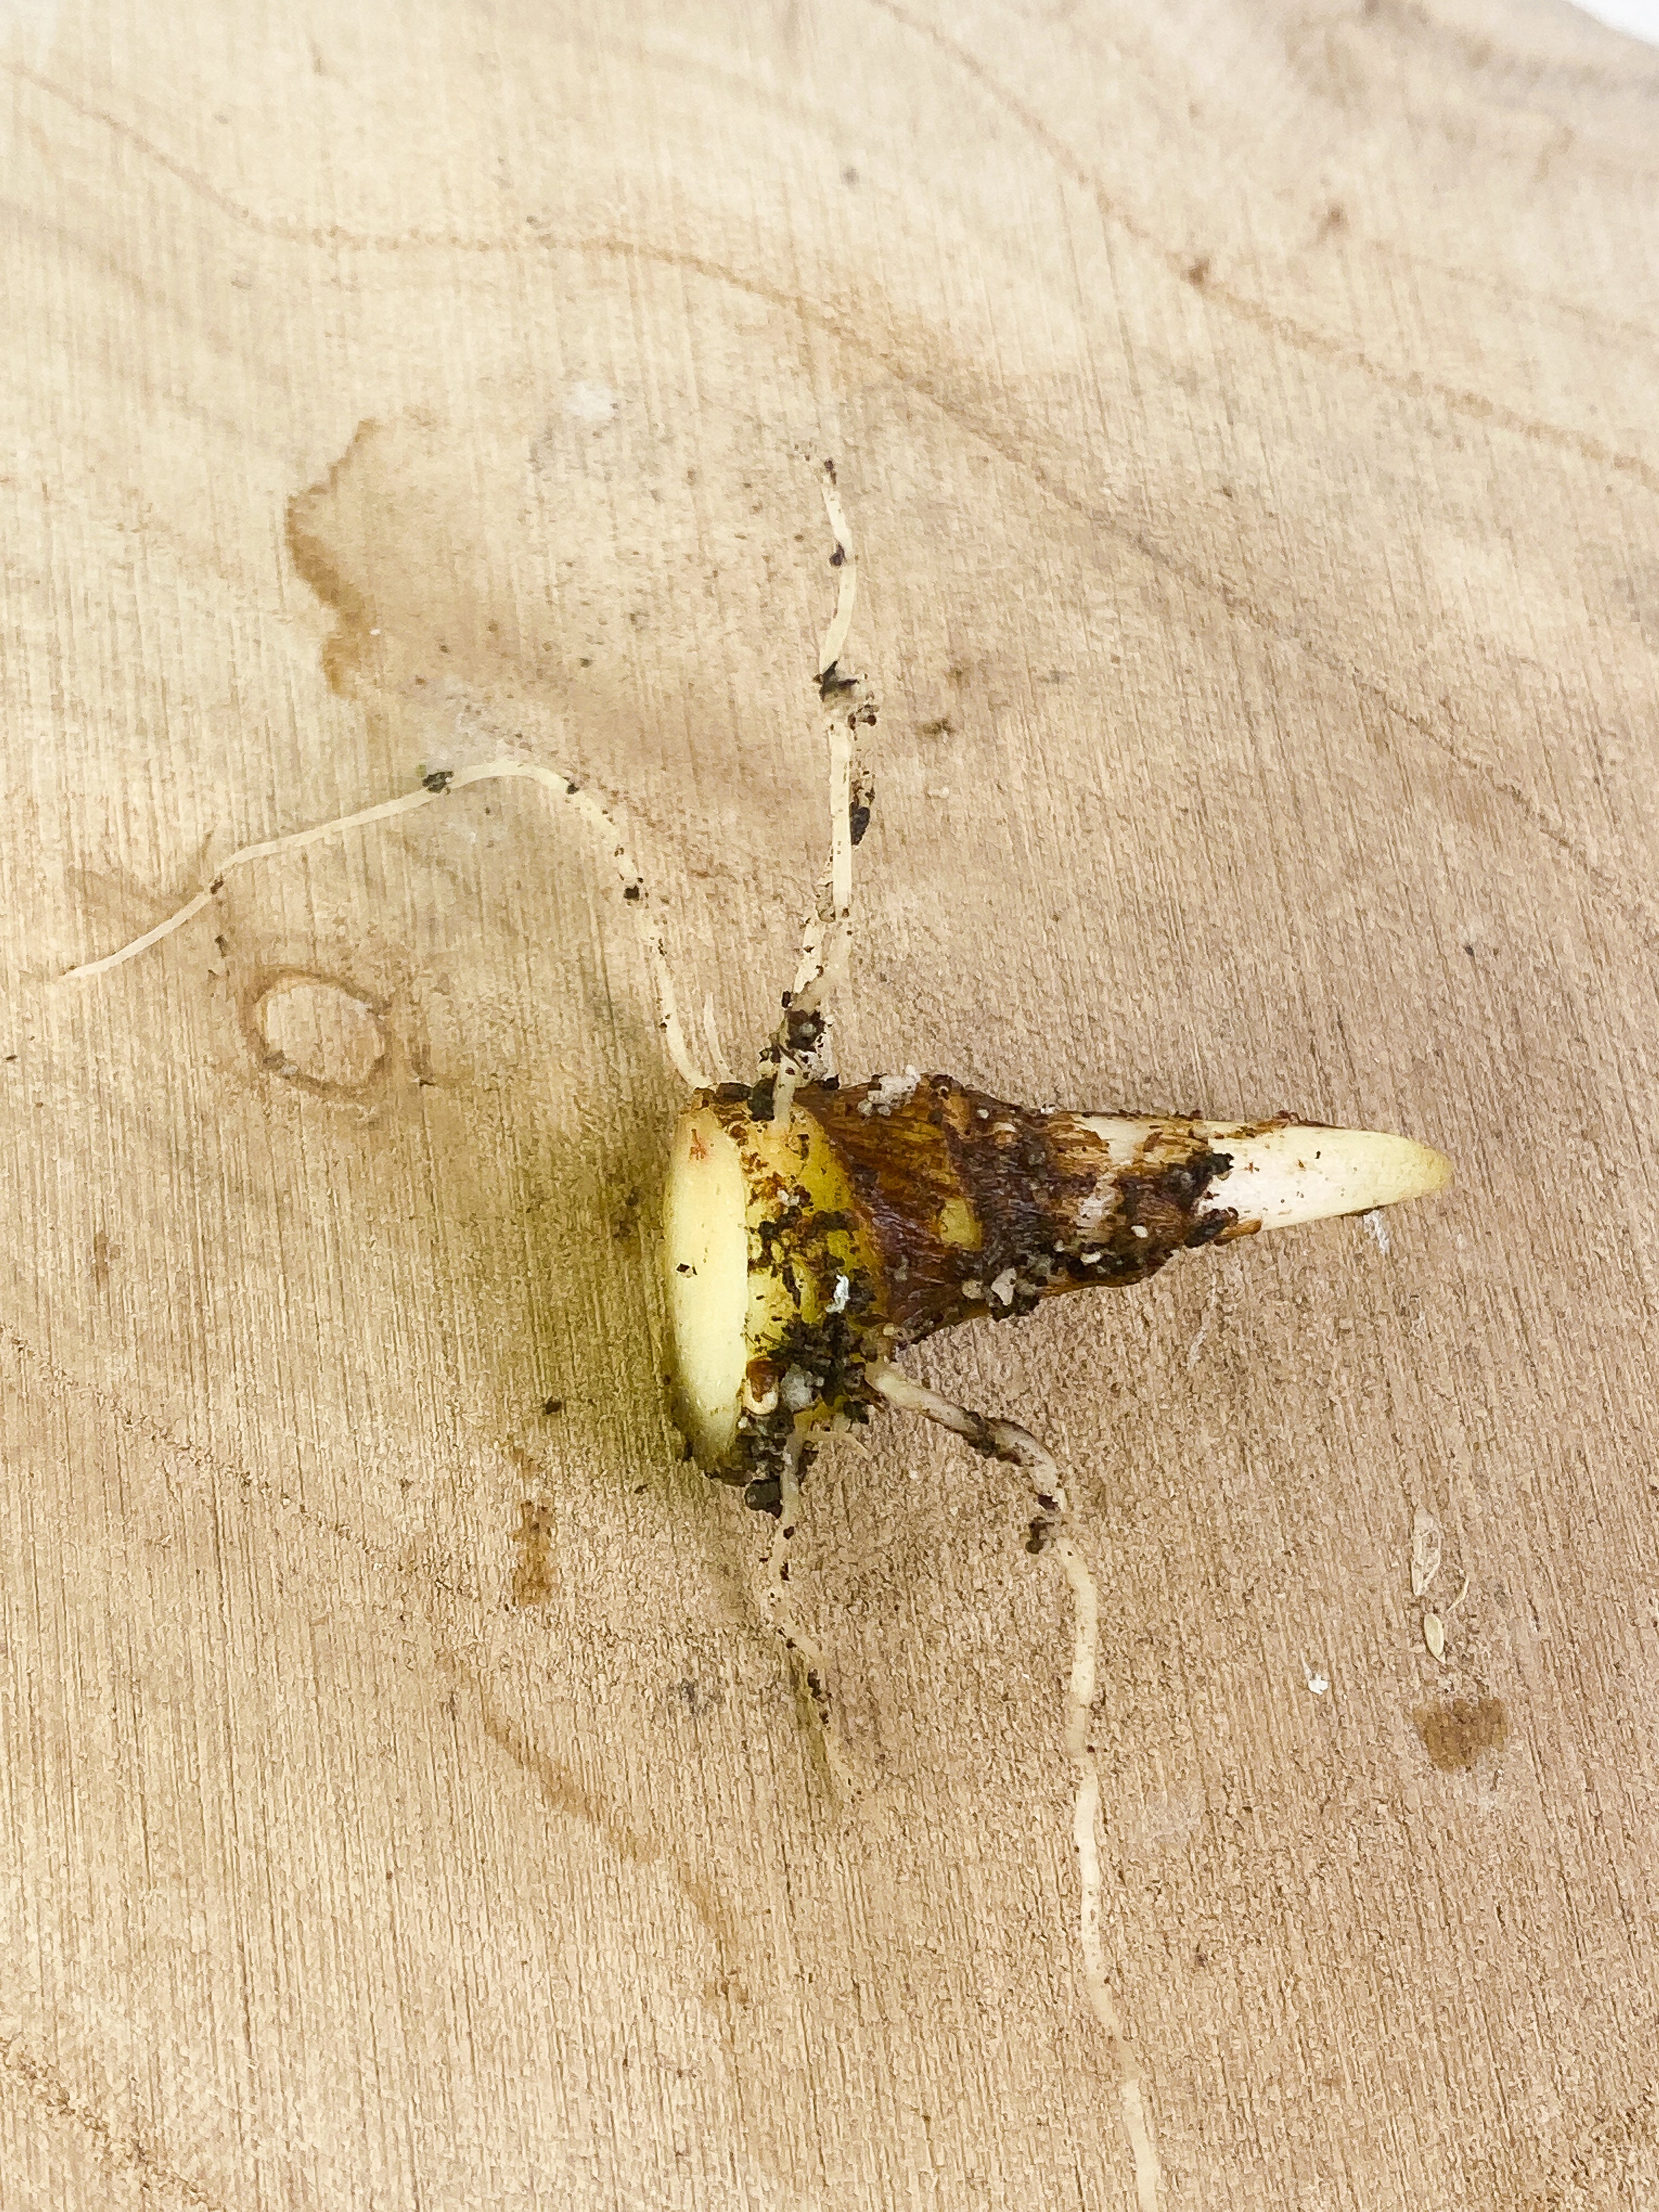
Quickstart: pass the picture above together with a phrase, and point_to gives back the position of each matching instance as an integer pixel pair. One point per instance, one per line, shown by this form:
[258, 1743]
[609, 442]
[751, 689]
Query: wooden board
[1247, 415]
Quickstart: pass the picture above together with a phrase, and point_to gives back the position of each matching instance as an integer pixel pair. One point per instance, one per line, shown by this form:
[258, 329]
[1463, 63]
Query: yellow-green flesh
[706, 1253]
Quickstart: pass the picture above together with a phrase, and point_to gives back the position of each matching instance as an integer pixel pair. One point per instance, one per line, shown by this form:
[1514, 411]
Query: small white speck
[887, 1091]
[797, 1391]
[374, 633]
[1378, 1228]
[590, 403]
[1318, 1684]
[843, 1292]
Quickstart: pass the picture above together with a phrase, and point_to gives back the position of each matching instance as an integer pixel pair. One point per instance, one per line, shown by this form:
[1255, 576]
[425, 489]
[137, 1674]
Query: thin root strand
[1007, 1441]
[827, 934]
[778, 1609]
[844, 561]
[441, 783]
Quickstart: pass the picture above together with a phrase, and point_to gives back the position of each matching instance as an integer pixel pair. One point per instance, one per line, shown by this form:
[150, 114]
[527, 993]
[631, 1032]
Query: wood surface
[1246, 414]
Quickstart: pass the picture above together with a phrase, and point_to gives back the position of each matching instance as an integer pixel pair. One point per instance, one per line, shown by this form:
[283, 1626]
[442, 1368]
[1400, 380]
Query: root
[437, 786]
[803, 1049]
[841, 622]
[1050, 1531]
[777, 1608]
[711, 1037]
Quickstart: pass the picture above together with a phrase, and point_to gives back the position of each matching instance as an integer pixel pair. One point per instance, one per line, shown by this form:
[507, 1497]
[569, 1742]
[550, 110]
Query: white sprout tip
[1280, 1177]
[1274, 1174]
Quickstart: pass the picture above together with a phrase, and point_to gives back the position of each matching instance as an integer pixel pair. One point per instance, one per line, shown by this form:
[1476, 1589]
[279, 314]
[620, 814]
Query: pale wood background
[1248, 413]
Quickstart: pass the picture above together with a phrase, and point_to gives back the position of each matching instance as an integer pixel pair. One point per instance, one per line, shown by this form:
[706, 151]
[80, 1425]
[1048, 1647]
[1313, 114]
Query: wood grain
[1247, 415]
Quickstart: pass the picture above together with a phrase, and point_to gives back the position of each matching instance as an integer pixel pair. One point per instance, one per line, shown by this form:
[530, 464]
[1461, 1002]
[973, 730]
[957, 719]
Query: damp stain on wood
[307, 514]
[1456, 1733]
[316, 1032]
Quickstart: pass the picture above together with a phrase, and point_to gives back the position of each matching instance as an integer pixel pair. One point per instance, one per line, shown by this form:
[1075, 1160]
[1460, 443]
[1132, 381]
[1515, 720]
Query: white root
[838, 940]
[827, 933]
[436, 786]
[712, 1038]
[668, 1019]
[785, 1085]
[1003, 1440]
[841, 622]
[1006, 1440]
[775, 1586]
[778, 1609]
